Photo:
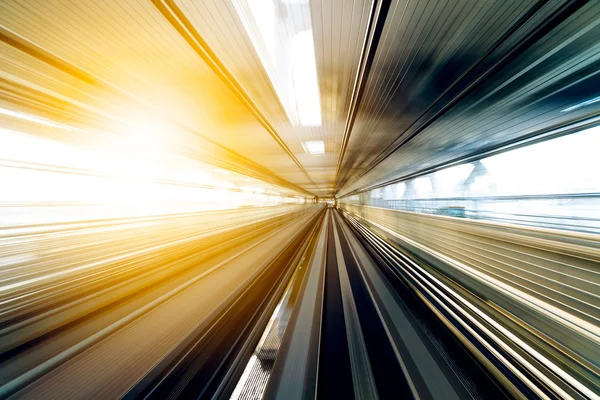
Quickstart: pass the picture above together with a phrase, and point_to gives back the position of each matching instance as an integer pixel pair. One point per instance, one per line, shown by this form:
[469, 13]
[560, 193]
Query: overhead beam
[188, 32]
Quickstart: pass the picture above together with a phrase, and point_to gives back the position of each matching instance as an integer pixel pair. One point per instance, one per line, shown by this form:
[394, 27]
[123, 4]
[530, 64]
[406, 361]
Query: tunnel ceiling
[404, 86]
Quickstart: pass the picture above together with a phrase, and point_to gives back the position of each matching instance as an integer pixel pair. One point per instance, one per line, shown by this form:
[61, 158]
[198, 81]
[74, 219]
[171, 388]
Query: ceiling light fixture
[286, 50]
[314, 147]
[304, 79]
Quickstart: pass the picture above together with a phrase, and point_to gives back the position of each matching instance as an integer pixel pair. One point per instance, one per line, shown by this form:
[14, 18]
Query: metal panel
[451, 82]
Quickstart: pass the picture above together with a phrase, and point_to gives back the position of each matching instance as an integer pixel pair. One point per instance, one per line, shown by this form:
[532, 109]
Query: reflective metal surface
[447, 80]
[426, 169]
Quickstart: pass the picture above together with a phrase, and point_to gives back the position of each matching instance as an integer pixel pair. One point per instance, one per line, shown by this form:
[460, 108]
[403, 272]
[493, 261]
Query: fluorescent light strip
[314, 147]
[304, 78]
[289, 59]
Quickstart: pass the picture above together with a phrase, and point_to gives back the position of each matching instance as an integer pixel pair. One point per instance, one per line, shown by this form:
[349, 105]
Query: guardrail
[574, 212]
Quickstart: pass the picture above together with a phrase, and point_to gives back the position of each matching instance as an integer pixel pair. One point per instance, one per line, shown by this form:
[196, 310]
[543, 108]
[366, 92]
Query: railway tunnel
[299, 199]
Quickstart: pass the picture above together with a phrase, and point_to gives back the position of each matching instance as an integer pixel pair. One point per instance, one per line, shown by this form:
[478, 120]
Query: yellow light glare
[37, 120]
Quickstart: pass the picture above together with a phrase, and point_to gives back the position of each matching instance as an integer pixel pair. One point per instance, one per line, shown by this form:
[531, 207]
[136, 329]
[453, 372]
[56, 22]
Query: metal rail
[520, 294]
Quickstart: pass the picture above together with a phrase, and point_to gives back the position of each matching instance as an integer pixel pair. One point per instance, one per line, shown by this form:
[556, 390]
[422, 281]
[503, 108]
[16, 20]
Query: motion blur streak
[300, 199]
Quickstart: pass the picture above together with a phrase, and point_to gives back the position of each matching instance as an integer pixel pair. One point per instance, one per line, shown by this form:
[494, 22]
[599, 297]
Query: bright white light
[19, 146]
[38, 120]
[252, 189]
[423, 186]
[225, 185]
[400, 189]
[146, 139]
[568, 164]
[453, 175]
[314, 147]
[286, 50]
[389, 192]
[450, 180]
[304, 79]
[264, 14]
